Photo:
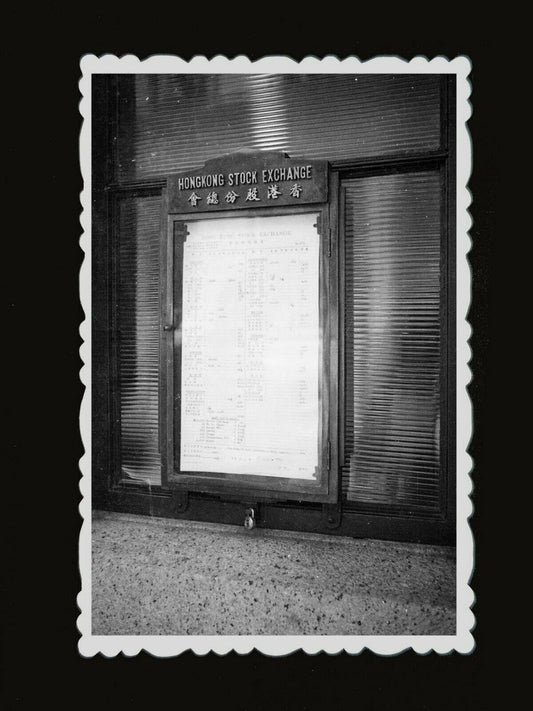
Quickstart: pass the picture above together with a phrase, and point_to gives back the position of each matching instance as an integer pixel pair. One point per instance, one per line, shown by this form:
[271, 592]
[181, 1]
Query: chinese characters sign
[248, 180]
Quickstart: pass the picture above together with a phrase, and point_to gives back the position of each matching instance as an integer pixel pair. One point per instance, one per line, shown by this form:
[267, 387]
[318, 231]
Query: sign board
[250, 346]
[249, 327]
[247, 180]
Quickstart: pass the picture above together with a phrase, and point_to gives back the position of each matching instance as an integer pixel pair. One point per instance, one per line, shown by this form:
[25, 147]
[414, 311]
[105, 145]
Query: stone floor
[158, 576]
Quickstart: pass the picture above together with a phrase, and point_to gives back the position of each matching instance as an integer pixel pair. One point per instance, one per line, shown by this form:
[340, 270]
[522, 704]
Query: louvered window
[169, 123]
[138, 338]
[392, 341]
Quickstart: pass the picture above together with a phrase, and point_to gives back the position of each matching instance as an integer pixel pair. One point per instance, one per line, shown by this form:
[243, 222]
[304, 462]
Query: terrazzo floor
[153, 576]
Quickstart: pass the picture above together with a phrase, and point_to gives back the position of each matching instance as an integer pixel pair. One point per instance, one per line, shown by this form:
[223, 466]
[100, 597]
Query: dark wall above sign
[248, 180]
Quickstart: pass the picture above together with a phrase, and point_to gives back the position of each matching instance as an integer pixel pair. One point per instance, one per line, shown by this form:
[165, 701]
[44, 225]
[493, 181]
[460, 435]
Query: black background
[41, 665]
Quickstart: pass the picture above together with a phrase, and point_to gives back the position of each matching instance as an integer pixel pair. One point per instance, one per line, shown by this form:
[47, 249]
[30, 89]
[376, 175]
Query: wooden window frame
[111, 493]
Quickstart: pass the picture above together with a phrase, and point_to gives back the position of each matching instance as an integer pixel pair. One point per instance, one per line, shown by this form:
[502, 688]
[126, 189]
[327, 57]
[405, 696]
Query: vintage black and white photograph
[275, 355]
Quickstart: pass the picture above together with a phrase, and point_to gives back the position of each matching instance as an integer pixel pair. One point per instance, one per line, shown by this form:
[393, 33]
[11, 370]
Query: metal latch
[249, 518]
[181, 501]
[331, 515]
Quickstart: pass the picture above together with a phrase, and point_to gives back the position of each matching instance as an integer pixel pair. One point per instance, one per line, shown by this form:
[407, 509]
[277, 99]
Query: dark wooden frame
[326, 487]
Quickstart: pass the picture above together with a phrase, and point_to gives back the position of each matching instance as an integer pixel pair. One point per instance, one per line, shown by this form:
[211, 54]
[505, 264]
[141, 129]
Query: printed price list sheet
[250, 346]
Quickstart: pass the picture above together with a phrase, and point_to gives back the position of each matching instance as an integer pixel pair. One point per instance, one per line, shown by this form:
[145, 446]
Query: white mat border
[165, 646]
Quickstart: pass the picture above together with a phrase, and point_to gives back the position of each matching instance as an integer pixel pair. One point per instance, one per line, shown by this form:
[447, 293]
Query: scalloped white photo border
[166, 646]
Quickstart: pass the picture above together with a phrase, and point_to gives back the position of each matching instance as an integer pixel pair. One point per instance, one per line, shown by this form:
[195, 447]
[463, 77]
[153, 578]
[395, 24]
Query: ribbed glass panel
[392, 307]
[168, 123]
[138, 338]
